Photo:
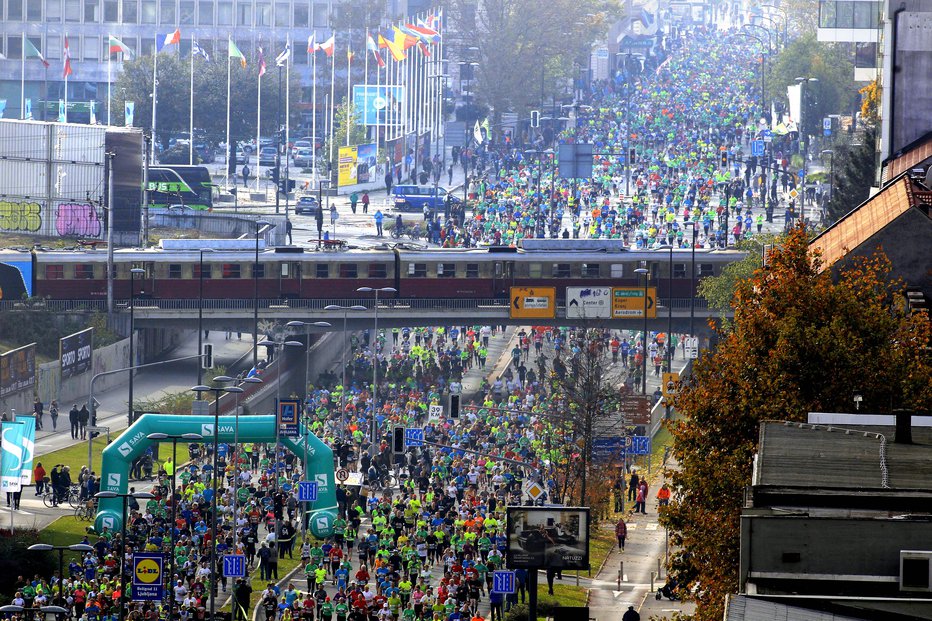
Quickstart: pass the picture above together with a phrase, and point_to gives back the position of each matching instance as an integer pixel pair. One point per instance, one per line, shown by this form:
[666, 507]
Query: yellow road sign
[533, 302]
[628, 302]
[669, 384]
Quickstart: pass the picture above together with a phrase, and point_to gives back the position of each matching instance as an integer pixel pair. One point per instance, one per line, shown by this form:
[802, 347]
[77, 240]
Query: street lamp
[13, 609]
[255, 300]
[123, 497]
[187, 437]
[200, 312]
[646, 273]
[831, 173]
[802, 81]
[245, 380]
[669, 305]
[218, 392]
[278, 394]
[692, 277]
[375, 359]
[47, 547]
[132, 334]
[335, 307]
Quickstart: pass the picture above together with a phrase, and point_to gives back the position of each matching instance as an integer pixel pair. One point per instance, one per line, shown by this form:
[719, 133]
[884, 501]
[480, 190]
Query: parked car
[299, 145]
[415, 198]
[267, 156]
[306, 206]
[304, 157]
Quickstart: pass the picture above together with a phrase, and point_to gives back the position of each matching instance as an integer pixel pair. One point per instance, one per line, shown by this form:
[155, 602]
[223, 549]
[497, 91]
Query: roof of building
[860, 224]
[821, 456]
[744, 608]
[910, 156]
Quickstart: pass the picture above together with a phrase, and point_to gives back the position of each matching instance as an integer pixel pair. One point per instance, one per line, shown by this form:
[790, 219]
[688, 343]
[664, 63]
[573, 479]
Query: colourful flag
[434, 21]
[11, 462]
[425, 34]
[397, 44]
[423, 47]
[66, 55]
[169, 39]
[312, 45]
[233, 52]
[349, 55]
[118, 47]
[405, 39]
[282, 58]
[261, 63]
[329, 45]
[30, 51]
[197, 50]
[372, 47]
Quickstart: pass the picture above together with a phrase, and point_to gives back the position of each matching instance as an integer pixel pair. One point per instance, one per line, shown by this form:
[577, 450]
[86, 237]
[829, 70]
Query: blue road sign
[612, 447]
[802, 173]
[414, 436]
[307, 491]
[640, 445]
[503, 581]
[768, 135]
[234, 566]
[826, 132]
[757, 148]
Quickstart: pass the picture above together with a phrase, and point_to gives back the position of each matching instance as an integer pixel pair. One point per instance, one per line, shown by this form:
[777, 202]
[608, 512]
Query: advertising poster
[379, 105]
[148, 569]
[15, 279]
[11, 458]
[366, 163]
[540, 537]
[28, 445]
[288, 417]
[346, 166]
[18, 370]
[75, 352]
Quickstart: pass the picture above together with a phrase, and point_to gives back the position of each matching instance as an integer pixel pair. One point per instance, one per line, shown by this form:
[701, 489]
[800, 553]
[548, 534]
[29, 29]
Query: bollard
[621, 572]
[652, 576]
[659, 568]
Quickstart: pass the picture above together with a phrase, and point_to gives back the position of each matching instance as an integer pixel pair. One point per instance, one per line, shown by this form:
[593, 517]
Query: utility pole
[109, 209]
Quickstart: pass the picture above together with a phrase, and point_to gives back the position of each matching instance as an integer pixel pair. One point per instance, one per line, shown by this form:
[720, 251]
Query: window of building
[534, 270]
[167, 13]
[53, 11]
[186, 12]
[417, 270]
[91, 48]
[205, 13]
[706, 269]
[849, 14]
[590, 270]
[472, 270]
[302, 16]
[130, 12]
[378, 270]
[53, 48]
[230, 270]
[282, 15]
[258, 271]
[14, 46]
[75, 44]
[561, 270]
[322, 270]
[679, 270]
[174, 270]
[263, 14]
[83, 271]
[34, 11]
[111, 11]
[14, 10]
[865, 55]
[321, 16]
[243, 14]
[224, 13]
[72, 10]
[91, 11]
[446, 270]
[348, 270]
[147, 46]
[148, 13]
[54, 272]
[617, 270]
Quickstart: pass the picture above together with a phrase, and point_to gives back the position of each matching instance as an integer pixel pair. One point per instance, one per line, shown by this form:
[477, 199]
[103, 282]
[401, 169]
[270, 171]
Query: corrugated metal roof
[743, 608]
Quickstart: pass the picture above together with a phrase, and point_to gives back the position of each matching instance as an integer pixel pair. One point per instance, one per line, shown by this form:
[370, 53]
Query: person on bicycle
[399, 224]
[64, 483]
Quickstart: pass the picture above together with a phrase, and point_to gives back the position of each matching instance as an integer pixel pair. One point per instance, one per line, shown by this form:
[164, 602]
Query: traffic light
[275, 175]
[535, 118]
[285, 185]
[632, 155]
[724, 159]
[398, 440]
[231, 164]
[454, 407]
[207, 357]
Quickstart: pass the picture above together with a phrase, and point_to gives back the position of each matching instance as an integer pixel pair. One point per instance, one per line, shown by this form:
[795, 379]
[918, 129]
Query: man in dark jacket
[74, 418]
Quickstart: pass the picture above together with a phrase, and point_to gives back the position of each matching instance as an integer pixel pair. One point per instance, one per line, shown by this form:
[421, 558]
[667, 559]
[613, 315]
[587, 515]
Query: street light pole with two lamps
[132, 335]
[646, 274]
[375, 361]
[345, 309]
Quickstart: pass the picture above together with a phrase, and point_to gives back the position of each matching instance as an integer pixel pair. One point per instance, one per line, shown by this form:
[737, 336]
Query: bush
[519, 612]
[16, 561]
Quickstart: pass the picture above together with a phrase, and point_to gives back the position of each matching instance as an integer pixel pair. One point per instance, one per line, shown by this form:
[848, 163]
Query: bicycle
[72, 497]
[413, 232]
[86, 511]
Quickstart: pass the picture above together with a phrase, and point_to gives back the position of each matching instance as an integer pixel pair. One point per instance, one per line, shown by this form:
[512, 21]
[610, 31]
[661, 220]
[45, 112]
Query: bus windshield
[180, 185]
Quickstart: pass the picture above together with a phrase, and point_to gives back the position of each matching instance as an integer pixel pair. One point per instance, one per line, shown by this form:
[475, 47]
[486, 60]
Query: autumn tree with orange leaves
[800, 342]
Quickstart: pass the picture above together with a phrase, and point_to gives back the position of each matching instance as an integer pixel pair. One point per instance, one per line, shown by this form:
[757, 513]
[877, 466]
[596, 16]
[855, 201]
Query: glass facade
[849, 14]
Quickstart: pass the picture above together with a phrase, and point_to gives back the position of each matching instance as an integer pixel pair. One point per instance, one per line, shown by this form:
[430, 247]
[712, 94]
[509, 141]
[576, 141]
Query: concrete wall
[223, 225]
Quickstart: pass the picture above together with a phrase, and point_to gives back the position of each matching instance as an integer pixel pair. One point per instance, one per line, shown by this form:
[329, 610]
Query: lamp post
[255, 300]
[646, 273]
[218, 392]
[334, 307]
[692, 278]
[831, 173]
[132, 335]
[187, 437]
[123, 497]
[669, 349]
[200, 312]
[246, 380]
[375, 359]
[13, 609]
[47, 547]
[279, 345]
[804, 146]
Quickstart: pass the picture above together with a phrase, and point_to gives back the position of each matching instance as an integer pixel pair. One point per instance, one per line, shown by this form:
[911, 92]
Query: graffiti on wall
[77, 219]
[21, 217]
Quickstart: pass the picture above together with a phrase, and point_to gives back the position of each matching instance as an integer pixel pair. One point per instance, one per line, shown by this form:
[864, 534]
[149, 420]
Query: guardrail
[658, 412]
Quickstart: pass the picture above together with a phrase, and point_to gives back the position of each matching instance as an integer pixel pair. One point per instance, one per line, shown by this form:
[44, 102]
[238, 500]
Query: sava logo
[322, 480]
[207, 429]
[113, 480]
[125, 449]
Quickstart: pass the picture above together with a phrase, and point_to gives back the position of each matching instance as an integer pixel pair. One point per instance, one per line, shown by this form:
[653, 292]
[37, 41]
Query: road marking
[632, 526]
[652, 526]
[24, 512]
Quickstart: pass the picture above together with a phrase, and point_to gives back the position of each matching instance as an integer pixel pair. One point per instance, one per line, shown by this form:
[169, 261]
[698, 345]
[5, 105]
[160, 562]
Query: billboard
[379, 105]
[289, 413]
[75, 352]
[148, 575]
[540, 537]
[15, 276]
[18, 370]
[356, 164]
[346, 166]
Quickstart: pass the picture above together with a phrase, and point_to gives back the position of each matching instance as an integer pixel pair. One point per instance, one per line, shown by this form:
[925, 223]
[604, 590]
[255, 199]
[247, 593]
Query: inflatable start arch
[119, 456]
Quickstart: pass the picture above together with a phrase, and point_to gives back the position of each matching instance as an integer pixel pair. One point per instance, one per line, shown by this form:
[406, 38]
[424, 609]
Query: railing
[273, 304]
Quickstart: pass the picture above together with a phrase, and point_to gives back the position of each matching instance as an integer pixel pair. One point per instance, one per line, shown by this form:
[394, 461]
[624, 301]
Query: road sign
[793, 193]
[768, 135]
[608, 448]
[758, 147]
[588, 302]
[200, 407]
[414, 436]
[827, 123]
[668, 384]
[503, 581]
[533, 302]
[534, 490]
[341, 475]
[307, 491]
[234, 565]
[434, 413]
[628, 302]
[801, 173]
[636, 409]
[640, 445]
[692, 347]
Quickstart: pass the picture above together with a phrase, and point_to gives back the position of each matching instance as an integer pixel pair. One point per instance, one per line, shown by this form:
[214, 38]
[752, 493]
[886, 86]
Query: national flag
[282, 58]
[30, 51]
[169, 39]
[436, 20]
[312, 45]
[118, 47]
[197, 50]
[328, 46]
[261, 63]
[66, 55]
[477, 133]
[395, 45]
[372, 47]
[425, 34]
[233, 52]
[423, 47]
[349, 55]
[403, 38]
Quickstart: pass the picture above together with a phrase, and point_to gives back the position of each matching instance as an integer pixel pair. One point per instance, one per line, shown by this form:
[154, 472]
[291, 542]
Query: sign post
[533, 302]
[148, 576]
[414, 436]
[628, 302]
[234, 565]
[307, 491]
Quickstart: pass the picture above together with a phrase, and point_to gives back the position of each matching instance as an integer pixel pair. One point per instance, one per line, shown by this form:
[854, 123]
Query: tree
[345, 113]
[854, 169]
[719, 291]
[800, 343]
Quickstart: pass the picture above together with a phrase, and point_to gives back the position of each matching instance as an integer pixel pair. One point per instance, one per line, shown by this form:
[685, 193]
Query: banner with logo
[2, 107]
[11, 456]
[61, 110]
[288, 417]
[148, 575]
[18, 370]
[28, 109]
[29, 446]
[129, 108]
[346, 166]
[75, 352]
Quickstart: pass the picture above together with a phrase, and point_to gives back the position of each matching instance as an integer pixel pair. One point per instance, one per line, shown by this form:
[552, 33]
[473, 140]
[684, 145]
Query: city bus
[171, 185]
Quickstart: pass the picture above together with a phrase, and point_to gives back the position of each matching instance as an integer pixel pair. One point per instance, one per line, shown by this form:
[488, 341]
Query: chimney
[904, 426]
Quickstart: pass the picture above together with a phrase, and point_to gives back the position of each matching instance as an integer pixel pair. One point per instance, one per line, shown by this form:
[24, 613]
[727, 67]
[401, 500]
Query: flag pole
[441, 126]
[68, 59]
[191, 110]
[258, 118]
[287, 121]
[227, 160]
[109, 77]
[314, 111]
[349, 79]
[330, 135]
[22, 80]
[155, 87]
